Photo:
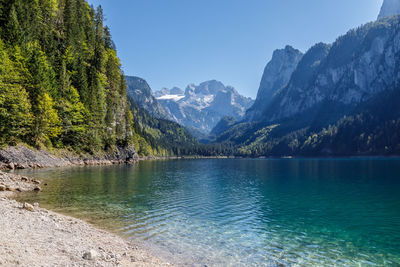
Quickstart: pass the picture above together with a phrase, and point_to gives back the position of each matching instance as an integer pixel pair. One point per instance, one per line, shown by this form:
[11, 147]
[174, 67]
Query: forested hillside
[61, 83]
[341, 100]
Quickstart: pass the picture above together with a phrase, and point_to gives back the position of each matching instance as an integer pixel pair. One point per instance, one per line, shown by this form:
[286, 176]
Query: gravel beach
[32, 236]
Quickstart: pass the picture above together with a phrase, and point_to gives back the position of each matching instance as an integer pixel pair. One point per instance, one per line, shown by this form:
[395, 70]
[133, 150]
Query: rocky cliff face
[276, 75]
[202, 107]
[389, 8]
[356, 67]
[139, 90]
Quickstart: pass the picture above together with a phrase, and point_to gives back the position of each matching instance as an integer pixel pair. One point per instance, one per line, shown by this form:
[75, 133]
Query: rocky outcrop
[277, 74]
[353, 69]
[202, 106]
[22, 157]
[139, 91]
[389, 8]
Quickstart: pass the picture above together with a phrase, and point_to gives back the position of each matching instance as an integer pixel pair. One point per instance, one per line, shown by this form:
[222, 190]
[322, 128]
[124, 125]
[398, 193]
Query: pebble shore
[33, 236]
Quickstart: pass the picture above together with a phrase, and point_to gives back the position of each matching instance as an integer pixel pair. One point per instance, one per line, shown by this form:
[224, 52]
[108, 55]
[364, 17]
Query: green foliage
[47, 122]
[370, 128]
[15, 108]
[60, 69]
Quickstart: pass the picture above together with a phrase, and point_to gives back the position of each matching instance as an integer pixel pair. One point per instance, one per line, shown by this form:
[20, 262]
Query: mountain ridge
[276, 74]
[139, 90]
[202, 106]
[323, 108]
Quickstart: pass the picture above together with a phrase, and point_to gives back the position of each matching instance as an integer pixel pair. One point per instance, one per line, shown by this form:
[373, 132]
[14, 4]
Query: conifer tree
[15, 108]
[47, 123]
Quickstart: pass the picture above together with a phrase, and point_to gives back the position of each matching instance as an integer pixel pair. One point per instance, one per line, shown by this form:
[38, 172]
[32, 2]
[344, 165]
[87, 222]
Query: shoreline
[33, 236]
[23, 157]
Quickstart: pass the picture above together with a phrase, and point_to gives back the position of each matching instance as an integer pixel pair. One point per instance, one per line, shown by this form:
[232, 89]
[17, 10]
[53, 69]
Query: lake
[240, 212]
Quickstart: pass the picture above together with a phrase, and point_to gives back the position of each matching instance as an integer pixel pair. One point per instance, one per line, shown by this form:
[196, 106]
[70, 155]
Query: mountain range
[336, 99]
[202, 106]
[198, 108]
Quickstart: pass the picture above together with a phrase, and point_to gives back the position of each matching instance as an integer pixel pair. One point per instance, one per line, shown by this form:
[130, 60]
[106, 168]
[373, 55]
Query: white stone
[90, 255]
[28, 206]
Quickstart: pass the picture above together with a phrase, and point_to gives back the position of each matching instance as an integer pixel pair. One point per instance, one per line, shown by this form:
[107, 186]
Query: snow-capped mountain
[202, 107]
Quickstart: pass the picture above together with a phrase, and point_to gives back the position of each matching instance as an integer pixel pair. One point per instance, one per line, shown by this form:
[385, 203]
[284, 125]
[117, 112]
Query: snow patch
[171, 97]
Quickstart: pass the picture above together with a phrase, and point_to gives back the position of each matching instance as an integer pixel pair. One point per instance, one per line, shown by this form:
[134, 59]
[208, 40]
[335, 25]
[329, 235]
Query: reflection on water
[239, 211]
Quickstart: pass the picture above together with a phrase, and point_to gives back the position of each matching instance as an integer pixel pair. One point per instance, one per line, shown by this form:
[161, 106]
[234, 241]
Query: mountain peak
[389, 8]
[276, 74]
[202, 106]
[139, 91]
[209, 87]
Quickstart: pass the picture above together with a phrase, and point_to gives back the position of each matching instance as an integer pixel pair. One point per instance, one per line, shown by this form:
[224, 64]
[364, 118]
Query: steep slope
[139, 90]
[61, 83]
[224, 124]
[160, 136]
[202, 107]
[276, 74]
[389, 8]
[341, 100]
[356, 67]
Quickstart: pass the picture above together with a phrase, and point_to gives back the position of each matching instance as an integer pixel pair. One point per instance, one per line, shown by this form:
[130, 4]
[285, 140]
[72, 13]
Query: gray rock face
[277, 74]
[356, 67]
[389, 8]
[202, 107]
[139, 90]
[22, 157]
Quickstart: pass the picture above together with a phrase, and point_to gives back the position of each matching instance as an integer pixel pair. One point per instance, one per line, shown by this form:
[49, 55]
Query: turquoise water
[241, 212]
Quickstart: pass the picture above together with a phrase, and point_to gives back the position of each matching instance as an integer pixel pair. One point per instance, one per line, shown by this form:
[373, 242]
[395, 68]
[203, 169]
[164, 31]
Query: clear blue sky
[177, 42]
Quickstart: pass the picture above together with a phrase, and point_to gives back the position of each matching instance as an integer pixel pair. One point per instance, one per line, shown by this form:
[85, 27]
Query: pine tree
[72, 113]
[47, 123]
[15, 108]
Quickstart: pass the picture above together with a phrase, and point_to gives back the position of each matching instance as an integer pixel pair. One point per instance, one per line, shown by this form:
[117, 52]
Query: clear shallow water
[218, 212]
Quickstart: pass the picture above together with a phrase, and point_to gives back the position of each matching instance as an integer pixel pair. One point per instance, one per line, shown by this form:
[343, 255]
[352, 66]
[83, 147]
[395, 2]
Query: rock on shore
[32, 236]
[22, 157]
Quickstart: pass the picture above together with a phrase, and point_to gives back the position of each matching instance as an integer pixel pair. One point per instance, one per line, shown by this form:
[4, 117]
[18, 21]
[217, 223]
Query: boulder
[11, 166]
[2, 187]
